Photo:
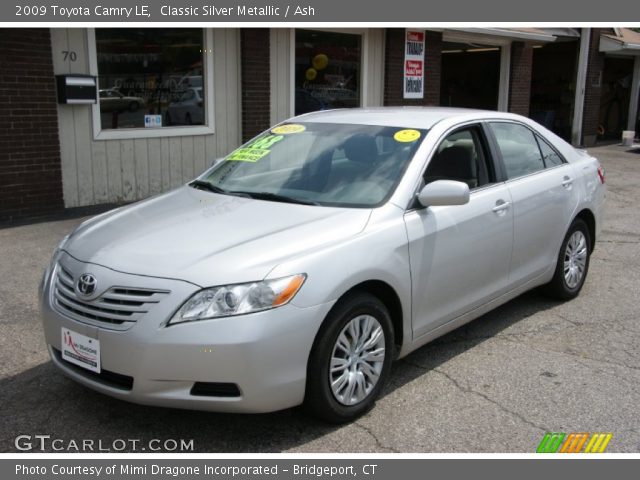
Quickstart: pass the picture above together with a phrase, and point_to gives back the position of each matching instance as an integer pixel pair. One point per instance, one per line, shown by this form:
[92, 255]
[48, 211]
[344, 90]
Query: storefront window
[470, 75]
[327, 70]
[150, 77]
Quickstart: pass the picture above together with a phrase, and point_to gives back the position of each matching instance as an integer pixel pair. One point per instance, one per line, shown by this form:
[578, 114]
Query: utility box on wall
[77, 89]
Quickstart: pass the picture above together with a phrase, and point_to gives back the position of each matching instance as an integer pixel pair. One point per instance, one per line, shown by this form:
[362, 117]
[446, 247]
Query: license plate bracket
[81, 350]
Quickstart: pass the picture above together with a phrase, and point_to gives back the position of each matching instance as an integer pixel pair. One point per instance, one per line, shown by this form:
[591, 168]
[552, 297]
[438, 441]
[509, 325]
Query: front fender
[379, 253]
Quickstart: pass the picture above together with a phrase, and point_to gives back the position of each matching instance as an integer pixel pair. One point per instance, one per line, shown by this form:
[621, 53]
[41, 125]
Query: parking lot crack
[375, 438]
[578, 359]
[463, 389]
[565, 319]
[471, 391]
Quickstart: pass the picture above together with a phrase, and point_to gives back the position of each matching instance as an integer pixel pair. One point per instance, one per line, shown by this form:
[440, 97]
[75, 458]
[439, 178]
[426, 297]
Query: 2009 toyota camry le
[296, 269]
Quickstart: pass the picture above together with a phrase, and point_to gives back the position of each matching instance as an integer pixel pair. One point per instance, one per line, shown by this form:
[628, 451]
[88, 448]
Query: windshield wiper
[273, 196]
[204, 185]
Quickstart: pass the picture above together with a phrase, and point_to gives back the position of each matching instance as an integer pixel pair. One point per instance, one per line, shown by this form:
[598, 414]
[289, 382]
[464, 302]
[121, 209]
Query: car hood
[209, 239]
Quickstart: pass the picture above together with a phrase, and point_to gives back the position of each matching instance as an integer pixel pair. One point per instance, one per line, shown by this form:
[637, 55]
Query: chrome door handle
[501, 206]
[566, 182]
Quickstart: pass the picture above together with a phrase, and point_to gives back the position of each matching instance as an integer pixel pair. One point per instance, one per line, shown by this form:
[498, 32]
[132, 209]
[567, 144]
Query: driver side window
[461, 156]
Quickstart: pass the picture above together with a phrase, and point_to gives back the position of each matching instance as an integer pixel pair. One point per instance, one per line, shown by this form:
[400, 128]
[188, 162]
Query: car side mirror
[444, 192]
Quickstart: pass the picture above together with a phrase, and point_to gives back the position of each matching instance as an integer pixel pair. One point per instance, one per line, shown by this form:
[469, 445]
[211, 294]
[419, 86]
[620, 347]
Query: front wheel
[350, 360]
[572, 264]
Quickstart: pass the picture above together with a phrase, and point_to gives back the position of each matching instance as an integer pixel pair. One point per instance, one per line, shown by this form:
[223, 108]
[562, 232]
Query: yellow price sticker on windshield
[248, 154]
[288, 128]
[408, 135]
[254, 151]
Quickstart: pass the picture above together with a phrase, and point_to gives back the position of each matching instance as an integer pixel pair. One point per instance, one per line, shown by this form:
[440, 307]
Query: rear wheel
[572, 264]
[350, 360]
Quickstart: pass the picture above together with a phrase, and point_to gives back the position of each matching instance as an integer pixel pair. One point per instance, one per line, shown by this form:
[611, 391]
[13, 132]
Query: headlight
[52, 263]
[57, 252]
[229, 300]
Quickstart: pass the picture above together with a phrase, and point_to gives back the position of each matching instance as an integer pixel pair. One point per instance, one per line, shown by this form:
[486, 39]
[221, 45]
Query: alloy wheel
[357, 360]
[575, 259]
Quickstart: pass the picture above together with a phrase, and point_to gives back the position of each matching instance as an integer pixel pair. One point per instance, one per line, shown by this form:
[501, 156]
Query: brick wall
[593, 89]
[520, 78]
[30, 177]
[256, 100]
[394, 68]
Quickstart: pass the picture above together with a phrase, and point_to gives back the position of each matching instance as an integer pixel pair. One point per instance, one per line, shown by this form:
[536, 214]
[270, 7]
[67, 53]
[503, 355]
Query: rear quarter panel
[585, 168]
[593, 192]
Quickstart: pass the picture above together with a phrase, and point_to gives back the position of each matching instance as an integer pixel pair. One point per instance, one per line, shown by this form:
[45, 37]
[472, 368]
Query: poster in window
[414, 64]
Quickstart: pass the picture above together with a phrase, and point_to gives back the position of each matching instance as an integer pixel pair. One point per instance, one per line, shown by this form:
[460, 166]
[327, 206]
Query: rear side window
[519, 149]
[549, 155]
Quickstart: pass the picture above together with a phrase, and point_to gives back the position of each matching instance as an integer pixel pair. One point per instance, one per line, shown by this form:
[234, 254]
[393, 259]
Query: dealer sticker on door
[81, 350]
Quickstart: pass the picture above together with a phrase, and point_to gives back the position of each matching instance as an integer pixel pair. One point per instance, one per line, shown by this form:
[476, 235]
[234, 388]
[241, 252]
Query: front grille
[211, 389]
[117, 308]
[105, 377]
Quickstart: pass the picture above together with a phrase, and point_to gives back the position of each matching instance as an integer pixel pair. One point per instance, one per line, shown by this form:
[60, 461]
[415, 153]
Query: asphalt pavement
[496, 385]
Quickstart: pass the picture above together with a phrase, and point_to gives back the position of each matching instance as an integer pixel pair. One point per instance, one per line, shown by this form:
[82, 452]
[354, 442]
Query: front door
[459, 254]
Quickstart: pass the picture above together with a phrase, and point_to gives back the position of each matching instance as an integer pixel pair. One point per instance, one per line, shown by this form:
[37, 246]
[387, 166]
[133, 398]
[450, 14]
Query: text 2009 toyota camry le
[296, 269]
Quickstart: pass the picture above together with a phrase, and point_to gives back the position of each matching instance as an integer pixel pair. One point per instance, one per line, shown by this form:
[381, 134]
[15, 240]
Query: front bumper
[265, 354]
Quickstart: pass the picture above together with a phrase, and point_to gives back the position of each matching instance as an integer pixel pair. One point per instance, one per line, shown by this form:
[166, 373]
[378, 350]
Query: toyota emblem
[86, 284]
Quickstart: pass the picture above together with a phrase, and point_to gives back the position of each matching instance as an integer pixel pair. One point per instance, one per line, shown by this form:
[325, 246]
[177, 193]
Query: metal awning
[524, 34]
[563, 32]
[624, 42]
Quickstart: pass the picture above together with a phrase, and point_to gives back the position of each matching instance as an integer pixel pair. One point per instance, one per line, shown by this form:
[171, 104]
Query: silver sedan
[296, 269]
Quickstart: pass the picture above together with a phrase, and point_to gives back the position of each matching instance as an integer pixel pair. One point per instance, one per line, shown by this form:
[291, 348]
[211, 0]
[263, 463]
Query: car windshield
[318, 163]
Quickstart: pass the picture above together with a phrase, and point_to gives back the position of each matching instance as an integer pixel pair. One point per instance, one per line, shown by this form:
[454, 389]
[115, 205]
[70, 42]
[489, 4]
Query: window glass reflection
[327, 70]
[150, 77]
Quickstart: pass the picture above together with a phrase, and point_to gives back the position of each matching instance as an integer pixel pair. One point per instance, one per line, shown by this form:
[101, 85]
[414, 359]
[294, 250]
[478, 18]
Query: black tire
[558, 287]
[320, 400]
[134, 106]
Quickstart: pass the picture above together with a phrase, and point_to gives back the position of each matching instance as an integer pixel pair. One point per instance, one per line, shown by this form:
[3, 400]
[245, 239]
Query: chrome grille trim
[118, 308]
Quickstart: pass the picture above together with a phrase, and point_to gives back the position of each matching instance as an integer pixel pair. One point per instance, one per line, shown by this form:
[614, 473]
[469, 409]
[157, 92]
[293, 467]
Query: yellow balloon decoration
[311, 74]
[320, 61]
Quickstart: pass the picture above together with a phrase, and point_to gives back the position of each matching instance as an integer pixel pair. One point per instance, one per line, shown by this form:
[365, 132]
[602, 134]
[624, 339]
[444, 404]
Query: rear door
[459, 254]
[541, 186]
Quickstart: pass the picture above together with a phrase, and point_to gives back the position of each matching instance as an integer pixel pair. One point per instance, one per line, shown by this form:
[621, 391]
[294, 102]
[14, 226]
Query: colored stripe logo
[553, 442]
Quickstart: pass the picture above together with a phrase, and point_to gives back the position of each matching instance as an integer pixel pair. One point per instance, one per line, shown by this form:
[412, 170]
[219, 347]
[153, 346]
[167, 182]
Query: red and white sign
[81, 350]
[414, 64]
[413, 68]
[415, 36]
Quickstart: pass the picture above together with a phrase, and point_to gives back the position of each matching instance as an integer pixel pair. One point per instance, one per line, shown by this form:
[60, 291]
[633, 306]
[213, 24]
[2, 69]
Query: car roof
[415, 117]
